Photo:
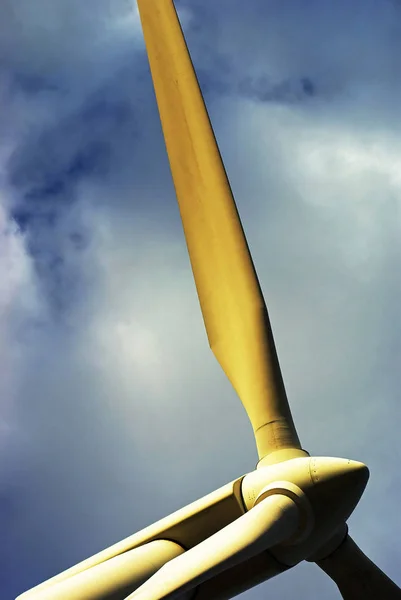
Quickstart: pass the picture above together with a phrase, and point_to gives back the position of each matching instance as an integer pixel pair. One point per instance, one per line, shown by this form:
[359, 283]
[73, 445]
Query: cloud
[55, 41]
[19, 309]
[117, 412]
[341, 51]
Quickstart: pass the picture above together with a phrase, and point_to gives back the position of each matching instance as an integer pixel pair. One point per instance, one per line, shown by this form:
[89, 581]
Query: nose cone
[323, 468]
[335, 486]
[345, 475]
[338, 485]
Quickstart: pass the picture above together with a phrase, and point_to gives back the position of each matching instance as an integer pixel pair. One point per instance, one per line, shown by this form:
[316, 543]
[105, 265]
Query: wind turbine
[293, 507]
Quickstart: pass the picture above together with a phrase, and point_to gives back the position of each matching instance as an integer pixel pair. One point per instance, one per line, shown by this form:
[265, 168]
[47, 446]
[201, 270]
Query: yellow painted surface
[274, 520]
[187, 527]
[231, 300]
[113, 579]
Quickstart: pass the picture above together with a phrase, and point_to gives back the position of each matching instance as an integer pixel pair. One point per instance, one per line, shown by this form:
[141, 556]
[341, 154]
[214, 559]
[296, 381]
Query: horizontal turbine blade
[270, 522]
[356, 576]
[231, 300]
[112, 579]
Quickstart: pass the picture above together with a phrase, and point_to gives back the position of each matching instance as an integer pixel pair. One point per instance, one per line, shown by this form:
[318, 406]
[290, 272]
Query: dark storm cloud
[339, 49]
[262, 89]
[47, 168]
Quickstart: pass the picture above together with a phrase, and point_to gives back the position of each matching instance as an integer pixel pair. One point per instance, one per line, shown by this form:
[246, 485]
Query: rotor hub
[326, 491]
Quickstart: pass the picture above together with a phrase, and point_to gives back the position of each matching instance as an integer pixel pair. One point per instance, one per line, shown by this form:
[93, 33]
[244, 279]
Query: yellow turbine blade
[356, 575]
[231, 300]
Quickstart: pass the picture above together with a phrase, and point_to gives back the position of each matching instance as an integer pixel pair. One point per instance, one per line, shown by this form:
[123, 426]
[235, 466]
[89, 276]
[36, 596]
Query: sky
[113, 411]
